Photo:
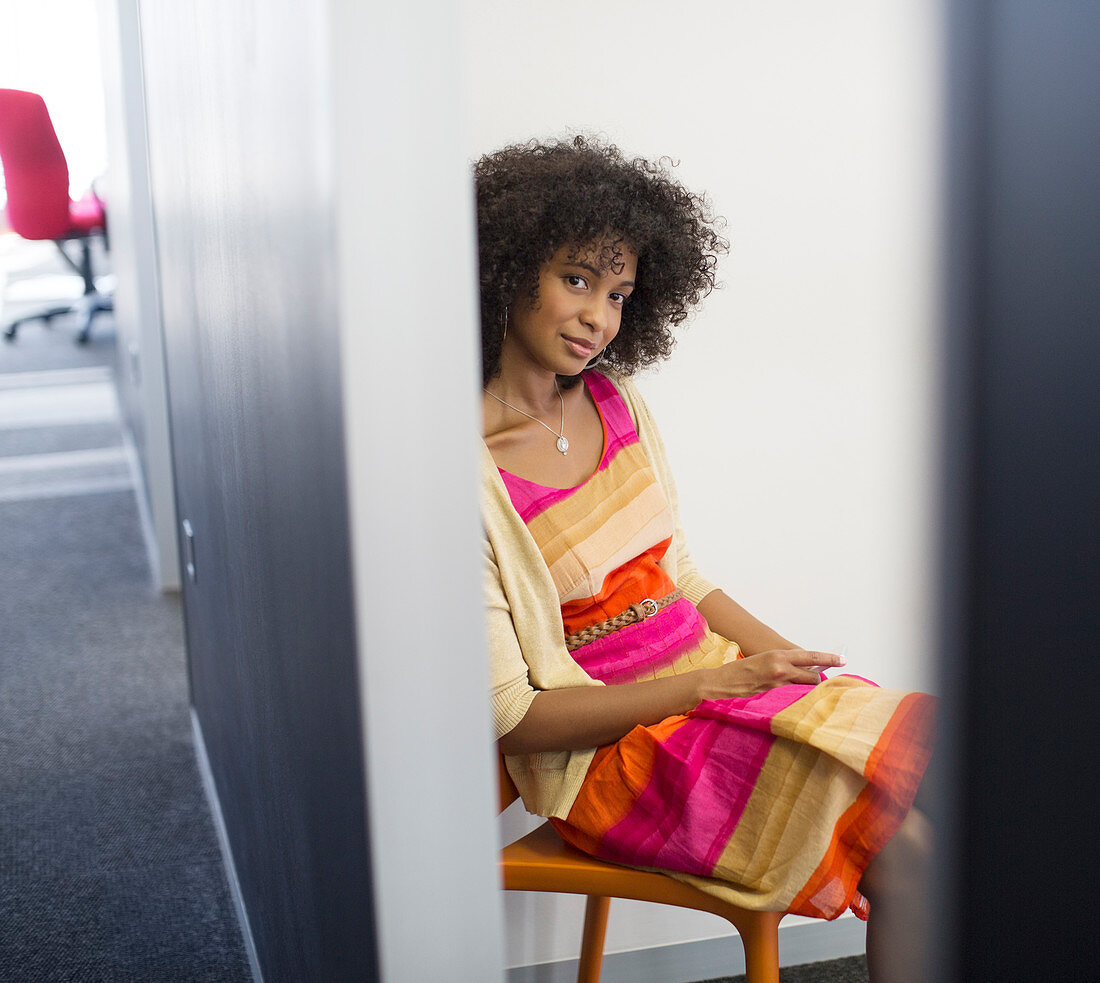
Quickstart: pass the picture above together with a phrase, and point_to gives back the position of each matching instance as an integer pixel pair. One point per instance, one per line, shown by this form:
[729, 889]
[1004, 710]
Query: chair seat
[87, 216]
[542, 861]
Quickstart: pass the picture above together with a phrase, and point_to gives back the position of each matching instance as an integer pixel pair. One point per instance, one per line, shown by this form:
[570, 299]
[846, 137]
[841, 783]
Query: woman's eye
[619, 299]
[576, 281]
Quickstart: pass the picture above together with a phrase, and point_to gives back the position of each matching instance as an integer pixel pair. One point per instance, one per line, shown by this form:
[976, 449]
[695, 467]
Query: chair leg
[760, 938]
[595, 927]
[92, 305]
[45, 316]
[83, 267]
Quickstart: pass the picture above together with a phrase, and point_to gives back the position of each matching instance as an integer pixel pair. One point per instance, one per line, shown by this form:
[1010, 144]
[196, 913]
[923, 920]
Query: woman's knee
[902, 865]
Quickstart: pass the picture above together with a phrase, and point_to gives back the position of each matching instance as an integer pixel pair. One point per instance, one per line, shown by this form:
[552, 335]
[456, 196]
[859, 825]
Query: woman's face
[577, 311]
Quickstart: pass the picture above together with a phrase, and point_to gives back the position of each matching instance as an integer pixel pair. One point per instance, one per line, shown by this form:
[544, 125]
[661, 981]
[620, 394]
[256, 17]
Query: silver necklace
[563, 441]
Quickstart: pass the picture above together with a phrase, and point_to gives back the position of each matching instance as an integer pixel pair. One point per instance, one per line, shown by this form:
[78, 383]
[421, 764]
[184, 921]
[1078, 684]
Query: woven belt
[631, 616]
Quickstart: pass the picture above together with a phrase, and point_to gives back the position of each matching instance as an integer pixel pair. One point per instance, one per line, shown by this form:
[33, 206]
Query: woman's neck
[532, 388]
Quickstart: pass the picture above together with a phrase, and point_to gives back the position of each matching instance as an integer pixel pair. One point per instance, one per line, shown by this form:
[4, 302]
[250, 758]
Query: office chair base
[87, 307]
[90, 304]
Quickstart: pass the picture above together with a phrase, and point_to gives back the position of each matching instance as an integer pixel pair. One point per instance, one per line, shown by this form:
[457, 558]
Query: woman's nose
[594, 314]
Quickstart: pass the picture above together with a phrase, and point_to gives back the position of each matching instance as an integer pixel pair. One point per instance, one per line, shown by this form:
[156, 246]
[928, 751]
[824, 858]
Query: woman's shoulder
[644, 424]
[610, 377]
[627, 389]
[609, 383]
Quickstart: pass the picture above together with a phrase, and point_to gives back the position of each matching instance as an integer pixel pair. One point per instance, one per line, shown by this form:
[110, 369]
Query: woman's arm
[727, 618]
[590, 716]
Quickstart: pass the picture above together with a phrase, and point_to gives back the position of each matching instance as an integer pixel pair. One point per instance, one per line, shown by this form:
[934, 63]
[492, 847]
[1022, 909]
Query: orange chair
[542, 861]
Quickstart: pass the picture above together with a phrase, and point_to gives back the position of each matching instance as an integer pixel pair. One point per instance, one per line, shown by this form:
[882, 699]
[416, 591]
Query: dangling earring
[504, 322]
[596, 361]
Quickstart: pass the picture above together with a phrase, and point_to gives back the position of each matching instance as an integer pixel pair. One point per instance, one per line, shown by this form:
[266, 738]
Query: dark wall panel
[240, 174]
[1025, 278]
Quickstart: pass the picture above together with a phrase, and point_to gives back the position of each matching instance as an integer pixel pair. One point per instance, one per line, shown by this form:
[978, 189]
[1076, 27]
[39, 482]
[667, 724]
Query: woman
[652, 718]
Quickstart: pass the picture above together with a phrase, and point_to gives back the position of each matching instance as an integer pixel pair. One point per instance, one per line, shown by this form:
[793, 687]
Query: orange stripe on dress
[616, 777]
[628, 584]
[834, 884]
[910, 727]
[895, 767]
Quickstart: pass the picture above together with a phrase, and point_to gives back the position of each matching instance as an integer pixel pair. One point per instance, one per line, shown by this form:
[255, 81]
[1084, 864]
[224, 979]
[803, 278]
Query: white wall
[408, 311]
[139, 366]
[51, 47]
[798, 408]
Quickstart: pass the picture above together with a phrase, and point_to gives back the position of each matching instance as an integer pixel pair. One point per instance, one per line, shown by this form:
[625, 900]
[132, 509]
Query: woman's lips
[580, 348]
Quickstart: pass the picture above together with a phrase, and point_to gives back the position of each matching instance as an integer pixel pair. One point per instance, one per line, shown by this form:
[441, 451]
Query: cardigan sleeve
[510, 690]
[548, 782]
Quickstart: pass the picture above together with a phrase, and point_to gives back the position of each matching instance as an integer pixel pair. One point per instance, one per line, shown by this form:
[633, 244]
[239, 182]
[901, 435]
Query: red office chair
[39, 206]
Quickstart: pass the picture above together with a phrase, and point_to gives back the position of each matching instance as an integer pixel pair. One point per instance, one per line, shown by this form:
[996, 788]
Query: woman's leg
[896, 885]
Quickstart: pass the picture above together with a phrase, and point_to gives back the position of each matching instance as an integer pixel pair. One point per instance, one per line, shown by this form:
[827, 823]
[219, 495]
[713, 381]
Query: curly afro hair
[535, 198]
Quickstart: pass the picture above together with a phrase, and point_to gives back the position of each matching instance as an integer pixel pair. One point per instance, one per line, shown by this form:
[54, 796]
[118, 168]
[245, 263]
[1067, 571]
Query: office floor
[851, 969]
[109, 860]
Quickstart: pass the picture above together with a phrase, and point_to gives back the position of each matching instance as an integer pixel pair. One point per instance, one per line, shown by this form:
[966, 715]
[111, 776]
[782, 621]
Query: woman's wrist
[679, 694]
[731, 679]
[703, 688]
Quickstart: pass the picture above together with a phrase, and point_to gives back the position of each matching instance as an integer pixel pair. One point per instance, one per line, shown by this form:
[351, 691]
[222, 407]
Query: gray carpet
[38, 347]
[852, 969]
[109, 864]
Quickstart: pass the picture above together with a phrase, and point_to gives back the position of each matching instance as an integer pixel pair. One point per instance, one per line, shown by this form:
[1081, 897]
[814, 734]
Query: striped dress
[776, 801]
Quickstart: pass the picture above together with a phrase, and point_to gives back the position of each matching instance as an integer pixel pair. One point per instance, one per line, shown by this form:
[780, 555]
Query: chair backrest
[508, 791]
[35, 172]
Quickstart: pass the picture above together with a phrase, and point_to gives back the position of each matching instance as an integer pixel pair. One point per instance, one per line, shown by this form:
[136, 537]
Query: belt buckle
[640, 610]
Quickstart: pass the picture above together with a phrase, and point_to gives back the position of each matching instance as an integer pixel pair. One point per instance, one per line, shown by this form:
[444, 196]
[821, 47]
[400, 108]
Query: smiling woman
[572, 319]
[652, 718]
[799, 411]
[586, 258]
[576, 309]
[583, 202]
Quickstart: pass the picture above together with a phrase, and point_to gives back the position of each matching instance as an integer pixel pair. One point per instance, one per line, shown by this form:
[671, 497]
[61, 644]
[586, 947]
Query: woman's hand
[757, 673]
[590, 716]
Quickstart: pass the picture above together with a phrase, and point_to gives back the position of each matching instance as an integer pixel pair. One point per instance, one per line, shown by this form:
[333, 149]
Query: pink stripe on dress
[640, 651]
[753, 711]
[531, 499]
[710, 767]
[612, 407]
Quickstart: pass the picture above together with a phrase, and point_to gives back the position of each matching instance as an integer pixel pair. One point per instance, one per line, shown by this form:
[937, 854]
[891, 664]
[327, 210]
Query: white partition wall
[407, 293]
[139, 370]
[798, 409]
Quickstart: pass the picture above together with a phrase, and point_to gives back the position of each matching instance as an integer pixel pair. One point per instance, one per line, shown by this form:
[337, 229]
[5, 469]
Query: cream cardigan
[527, 650]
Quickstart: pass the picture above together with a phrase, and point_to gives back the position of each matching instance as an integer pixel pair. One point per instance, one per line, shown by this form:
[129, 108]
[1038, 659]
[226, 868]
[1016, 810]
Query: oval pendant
[563, 445]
